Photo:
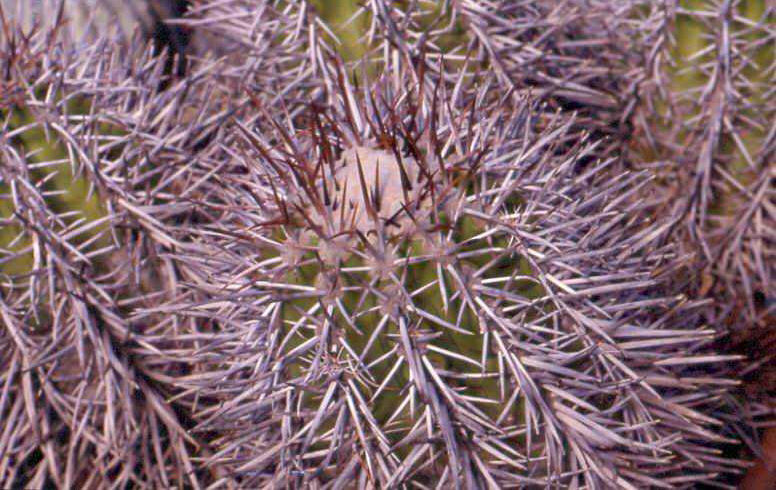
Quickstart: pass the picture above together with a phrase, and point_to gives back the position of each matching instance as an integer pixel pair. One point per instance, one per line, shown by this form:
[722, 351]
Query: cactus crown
[434, 265]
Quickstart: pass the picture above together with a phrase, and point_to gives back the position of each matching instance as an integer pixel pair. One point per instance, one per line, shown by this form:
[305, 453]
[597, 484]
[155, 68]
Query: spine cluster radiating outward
[468, 258]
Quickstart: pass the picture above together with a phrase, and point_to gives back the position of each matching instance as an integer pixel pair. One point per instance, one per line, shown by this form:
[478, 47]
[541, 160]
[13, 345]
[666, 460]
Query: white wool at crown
[381, 172]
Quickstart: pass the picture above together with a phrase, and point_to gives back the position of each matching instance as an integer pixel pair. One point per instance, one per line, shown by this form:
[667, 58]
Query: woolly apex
[370, 190]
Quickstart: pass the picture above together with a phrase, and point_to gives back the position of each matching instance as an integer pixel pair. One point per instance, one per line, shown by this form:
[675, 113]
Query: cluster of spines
[250, 373]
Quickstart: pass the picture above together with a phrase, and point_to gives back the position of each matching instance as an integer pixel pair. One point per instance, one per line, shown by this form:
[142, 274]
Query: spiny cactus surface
[433, 266]
[440, 296]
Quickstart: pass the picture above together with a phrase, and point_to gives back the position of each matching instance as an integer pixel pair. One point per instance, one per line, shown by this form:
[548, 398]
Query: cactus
[416, 268]
[681, 89]
[86, 377]
[706, 115]
[440, 296]
[716, 104]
